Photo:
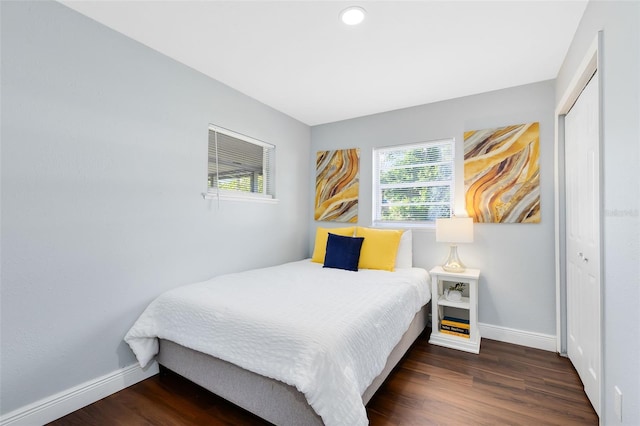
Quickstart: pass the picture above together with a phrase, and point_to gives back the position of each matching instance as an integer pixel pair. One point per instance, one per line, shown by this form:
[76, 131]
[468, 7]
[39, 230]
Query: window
[413, 184]
[239, 166]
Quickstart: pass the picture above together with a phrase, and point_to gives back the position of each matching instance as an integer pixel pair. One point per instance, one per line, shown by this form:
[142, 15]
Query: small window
[239, 166]
[413, 184]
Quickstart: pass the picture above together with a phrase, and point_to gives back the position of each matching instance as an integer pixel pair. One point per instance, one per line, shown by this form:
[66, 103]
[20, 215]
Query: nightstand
[454, 323]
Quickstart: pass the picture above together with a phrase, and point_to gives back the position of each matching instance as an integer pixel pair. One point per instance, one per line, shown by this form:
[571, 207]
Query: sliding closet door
[582, 171]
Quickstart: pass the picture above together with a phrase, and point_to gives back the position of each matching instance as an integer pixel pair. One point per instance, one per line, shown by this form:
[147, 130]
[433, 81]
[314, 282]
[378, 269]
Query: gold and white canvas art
[337, 185]
[502, 174]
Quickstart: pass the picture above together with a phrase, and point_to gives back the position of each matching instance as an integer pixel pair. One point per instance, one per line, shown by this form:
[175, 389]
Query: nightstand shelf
[463, 304]
[466, 309]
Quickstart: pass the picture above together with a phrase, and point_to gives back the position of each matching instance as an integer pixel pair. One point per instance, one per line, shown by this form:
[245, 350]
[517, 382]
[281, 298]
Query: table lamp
[454, 230]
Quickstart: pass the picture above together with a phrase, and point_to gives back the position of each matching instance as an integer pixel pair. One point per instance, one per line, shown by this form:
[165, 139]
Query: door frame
[591, 62]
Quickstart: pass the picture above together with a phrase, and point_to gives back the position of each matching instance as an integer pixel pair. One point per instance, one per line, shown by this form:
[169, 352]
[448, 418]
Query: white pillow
[404, 258]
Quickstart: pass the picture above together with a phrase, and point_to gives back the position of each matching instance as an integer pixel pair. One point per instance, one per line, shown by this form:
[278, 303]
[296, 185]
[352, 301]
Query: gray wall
[620, 23]
[517, 283]
[104, 146]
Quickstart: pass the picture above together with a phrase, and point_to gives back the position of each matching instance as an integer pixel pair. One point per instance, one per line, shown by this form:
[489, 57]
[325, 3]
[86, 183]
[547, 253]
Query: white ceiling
[297, 57]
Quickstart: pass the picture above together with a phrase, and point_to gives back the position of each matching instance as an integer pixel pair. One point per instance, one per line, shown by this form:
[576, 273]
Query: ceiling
[297, 57]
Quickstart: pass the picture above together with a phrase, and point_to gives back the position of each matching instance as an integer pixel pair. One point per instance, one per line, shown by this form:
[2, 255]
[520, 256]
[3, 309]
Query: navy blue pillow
[343, 252]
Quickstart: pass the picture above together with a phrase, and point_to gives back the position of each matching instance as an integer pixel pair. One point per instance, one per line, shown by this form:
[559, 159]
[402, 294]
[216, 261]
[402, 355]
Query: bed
[296, 344]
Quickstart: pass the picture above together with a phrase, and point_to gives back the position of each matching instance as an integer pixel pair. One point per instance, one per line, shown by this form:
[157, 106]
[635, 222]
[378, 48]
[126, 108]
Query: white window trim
[240, 136]
[239, 196]
[375, 185]
[225, 194]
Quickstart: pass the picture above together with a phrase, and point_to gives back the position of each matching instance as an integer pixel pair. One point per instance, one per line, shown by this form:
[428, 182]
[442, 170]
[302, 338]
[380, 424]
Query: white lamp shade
[454, 230]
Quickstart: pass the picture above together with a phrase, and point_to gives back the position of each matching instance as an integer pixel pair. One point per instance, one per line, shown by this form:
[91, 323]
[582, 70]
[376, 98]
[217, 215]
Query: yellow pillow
[322, 235]
[379, 248]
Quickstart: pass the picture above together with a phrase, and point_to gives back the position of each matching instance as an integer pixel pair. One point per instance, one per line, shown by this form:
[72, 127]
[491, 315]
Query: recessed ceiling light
[353, 15]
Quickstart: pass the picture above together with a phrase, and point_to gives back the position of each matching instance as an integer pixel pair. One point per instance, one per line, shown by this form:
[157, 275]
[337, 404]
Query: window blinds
[239, 164]
[413, 183]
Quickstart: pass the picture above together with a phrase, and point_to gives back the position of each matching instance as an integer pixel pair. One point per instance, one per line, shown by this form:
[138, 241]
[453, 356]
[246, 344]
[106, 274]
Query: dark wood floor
[504, 385]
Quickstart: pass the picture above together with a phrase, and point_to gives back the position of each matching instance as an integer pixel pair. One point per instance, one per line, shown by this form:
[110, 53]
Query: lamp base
[453, 262]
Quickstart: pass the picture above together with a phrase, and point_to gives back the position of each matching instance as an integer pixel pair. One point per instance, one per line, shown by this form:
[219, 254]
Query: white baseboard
[51, 408]
[530, 339]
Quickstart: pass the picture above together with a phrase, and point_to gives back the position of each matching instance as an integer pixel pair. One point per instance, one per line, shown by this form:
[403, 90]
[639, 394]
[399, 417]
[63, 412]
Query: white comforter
[328, 332]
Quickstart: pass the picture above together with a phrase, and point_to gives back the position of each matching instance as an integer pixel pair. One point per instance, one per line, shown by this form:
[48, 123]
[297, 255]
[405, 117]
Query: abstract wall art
[502, 174]
[337, 185]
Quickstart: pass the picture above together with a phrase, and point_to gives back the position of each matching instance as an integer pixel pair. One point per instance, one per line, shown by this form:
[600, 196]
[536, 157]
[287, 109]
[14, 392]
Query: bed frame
[270, 399]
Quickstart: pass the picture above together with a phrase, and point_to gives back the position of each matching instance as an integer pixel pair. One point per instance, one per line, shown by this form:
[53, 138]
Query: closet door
[582, 171]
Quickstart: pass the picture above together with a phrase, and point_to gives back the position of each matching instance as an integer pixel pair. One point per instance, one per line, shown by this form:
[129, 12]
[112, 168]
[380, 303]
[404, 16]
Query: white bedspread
[328, 332]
